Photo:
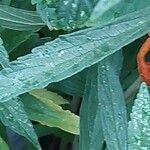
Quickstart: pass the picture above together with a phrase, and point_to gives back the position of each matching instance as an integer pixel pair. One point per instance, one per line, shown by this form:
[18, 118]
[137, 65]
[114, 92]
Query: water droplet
[74, 5]
[66, 2]
[61, 53]
[82, 13]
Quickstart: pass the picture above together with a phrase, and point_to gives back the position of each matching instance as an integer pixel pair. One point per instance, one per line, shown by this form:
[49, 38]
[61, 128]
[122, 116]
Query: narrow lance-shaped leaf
[65, 14]
[108, 10]
[46, 96]
[112, 104]
[18, 19]
[4, 58]
[12, 113]
[5, 2]
[50, 114]
[18, 38]
[73, 85]
[91, 132]
[3, 145]
[71, 14]
[69, 54]
[139, 126]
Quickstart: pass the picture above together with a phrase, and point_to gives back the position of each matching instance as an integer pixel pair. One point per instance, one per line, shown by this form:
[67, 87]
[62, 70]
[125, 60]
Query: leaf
[19, 19]
[91, 135]
[65, 14]
[139, 126]
[13, 115]
[5, 2]
[71, 86]
[4, 58]
[70, 54]
[46, 96]
[112, 103]
[18, 38]
[3, 145]
[50, 114]
[106, 10]
[23, 4]
[102, 8]
[69, 15]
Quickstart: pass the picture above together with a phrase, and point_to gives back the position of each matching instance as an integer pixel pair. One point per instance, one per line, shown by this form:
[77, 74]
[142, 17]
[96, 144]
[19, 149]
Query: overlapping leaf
[5, 2]
[91, 132]
[139, 126]
[4, 58]
[72, 86]
[18, 19]
[3, 145]
[50, 114]
[112, 104]
[68, 15]
[103, 112]
[18, 38]
[107, 10]
[65, 14]
[70, 54]
[12, 113]
[47, 96]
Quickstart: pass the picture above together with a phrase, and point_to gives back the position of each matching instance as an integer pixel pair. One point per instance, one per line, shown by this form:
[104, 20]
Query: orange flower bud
[143, 66]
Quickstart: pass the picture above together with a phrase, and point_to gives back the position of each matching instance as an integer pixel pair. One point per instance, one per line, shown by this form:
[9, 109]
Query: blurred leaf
[5, 2]
[112, 103]
[66, 14]
[25, 47]
[3, 145]
[18, 38]
[43, 130]
[51, 114]
[3, 131]
[103, 7]
[13, 115]
[70, 54]
[108, 10]
[139, 126]
[91, 135]
[22, 4]
[19, 19]
[46, 96]
[4, 58]
[71, 86]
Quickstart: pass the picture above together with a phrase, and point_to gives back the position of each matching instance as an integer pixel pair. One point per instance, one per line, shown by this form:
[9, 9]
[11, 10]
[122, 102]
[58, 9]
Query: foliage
[139, 126]
[56, 54]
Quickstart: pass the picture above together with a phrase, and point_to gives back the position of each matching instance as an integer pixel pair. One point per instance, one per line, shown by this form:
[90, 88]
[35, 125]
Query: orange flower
[143, 66]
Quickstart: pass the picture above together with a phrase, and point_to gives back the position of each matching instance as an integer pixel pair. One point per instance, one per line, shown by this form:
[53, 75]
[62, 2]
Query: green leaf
[70, 54]
[106, 10]
[91, 135]
[46, 96]
[18, 38]
[22, 4]
[71, 86]
[50, 114]
[4, 58]
[65, 14]
[112, 103]
[139, 126]
[103, 112]
[13, 115]
[3, 145]
[5, 2]
[103, 7]
[19, 19]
